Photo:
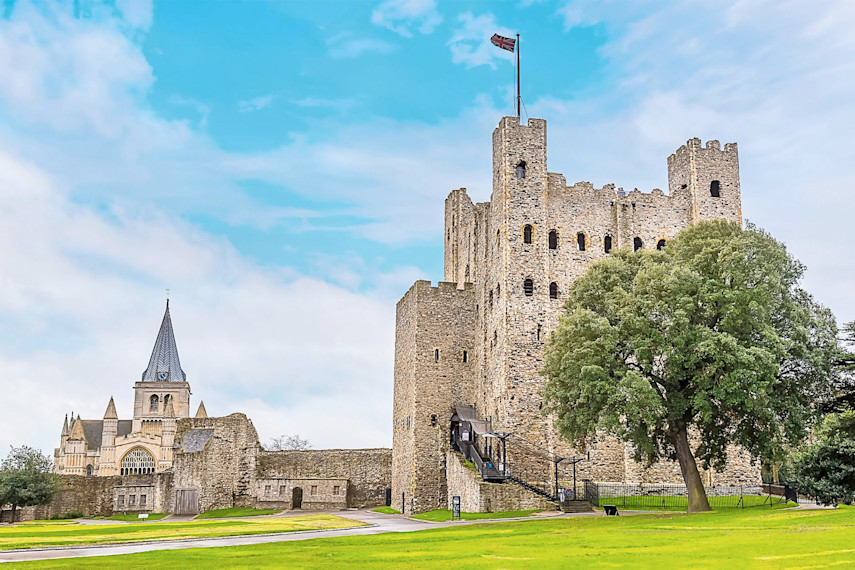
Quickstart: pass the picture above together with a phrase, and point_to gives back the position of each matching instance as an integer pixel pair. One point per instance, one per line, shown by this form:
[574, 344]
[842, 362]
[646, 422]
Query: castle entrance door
[297, 498]
[187, 502]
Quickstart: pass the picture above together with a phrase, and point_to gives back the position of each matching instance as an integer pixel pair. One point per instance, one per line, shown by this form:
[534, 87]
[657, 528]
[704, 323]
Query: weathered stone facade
[477, 339]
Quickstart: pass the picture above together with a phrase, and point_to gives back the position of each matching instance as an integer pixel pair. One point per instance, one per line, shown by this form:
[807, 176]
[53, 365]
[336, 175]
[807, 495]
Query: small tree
[711, 335]
[826, 468]
[288, 443]
[26, 479]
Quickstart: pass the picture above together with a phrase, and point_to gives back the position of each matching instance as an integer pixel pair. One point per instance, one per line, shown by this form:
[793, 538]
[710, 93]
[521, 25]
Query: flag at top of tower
[503, 42]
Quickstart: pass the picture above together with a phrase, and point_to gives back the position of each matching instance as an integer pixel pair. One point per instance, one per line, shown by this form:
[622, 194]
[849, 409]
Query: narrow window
[436, 355]
[166, 400]
[283, 489]
[491, 298]
[89, 470]
[121, 500]
[528, 287]
[637, 244]
[498, 289]
[553, 290]
[267, 489]
[314, 490]
[607, 244]
[465, 356]
[553, 240]
[336, 489]
[143, 500]
[714, 189]
[660, 244]
[132, 500]
[520, 170]
[527, 234]
[495, 337]
[153, 402]
[538, 332]
[580, 238]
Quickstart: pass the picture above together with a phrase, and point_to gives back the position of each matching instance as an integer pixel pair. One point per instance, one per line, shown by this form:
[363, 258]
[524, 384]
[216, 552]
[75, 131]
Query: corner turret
[710, 176]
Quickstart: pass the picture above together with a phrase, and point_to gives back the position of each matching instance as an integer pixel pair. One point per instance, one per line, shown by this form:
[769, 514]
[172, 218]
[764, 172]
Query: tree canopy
[26, 479]
[825, 469]
[711, 335]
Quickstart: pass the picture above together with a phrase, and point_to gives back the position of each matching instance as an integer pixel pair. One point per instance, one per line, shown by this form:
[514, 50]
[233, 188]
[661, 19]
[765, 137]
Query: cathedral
[141, 445]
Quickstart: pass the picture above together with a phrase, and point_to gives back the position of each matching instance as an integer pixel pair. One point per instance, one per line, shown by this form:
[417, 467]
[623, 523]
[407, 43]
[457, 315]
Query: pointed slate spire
[111, 414]
[164, 366]
[65, 426]
[202, 412]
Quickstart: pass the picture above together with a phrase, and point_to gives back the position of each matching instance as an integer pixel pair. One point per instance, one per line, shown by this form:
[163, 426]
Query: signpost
[142, 516]
[455, 507]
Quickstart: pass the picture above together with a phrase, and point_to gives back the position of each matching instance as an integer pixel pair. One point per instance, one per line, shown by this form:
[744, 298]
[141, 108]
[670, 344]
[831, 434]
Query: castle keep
[468, 351]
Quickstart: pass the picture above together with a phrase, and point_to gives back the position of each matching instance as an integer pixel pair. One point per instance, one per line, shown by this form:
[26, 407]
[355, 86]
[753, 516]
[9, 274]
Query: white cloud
[470, 42]
[402, 15]
[347, 45]
[255, 104]
[137, 13]
[201, 108]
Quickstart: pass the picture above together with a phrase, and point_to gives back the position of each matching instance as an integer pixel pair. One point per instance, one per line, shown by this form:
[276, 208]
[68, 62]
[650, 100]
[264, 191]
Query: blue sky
[282, 166]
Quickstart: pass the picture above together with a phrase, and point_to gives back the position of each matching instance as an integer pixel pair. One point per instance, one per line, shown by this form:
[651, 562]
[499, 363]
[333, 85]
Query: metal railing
[677, 497]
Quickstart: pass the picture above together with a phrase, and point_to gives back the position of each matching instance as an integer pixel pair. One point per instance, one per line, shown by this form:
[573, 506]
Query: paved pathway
[377, 524]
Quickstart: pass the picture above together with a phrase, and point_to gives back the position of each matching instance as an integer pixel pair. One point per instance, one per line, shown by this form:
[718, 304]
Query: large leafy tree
[26, 479]
[711, 336]
[825, 469]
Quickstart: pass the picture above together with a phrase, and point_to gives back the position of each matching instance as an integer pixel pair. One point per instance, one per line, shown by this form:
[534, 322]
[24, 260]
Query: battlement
[514, 123]
[693, 145]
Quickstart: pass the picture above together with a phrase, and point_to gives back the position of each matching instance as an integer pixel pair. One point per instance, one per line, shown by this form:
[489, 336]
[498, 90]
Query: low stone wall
[478, 496]
[98, 496]
[315, 494]
[368, 472]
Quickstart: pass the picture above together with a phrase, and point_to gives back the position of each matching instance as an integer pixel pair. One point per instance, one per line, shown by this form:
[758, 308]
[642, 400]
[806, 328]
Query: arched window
[153, 402]
[580, 239]
[637, 244]
[137, 462]
[436, 355]
[607, 244]
[527, 230]
[166, 400]
[714, 189]
[528, 287]
[520, 170]
[553, 239]
[553, 290]
[660, 244]
[89, 470]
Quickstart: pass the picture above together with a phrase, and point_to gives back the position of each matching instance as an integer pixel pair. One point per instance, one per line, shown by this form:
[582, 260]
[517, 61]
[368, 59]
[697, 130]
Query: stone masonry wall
[223, 470]
[367, 473]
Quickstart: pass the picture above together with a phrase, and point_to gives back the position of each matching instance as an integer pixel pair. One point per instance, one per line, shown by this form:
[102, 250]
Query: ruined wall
[366, 474]
[217, 457]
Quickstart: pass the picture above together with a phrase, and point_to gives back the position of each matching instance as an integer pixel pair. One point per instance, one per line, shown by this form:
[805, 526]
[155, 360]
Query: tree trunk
[679, 437]
[14, 511]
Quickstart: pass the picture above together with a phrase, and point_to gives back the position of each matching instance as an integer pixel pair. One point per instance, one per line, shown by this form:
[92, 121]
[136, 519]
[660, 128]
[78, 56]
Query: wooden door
[187, 502]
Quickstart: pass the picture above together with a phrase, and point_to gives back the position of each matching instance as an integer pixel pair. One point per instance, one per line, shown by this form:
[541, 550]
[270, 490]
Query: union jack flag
[503, 42]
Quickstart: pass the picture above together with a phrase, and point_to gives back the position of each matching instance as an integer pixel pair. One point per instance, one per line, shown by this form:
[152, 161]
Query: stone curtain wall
[368, 473]
[223, 470]
[96, 496]
[317, 494]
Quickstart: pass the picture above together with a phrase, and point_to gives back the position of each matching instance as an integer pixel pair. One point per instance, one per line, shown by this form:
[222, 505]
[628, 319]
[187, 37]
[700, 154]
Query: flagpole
[518, 76]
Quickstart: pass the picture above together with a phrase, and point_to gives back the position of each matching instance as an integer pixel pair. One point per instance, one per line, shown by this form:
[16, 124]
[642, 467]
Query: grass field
[733, 539]
[136, 518]
[445, 515]
[652, 503]
[387, 510]
[34, 535]
[237, 512]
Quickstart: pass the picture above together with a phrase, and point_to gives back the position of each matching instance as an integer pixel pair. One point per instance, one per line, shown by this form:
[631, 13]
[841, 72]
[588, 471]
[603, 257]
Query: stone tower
[508, 265]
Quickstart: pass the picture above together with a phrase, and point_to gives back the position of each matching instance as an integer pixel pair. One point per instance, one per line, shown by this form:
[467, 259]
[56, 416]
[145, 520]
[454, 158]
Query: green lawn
[651, 503]
[387, 510]
[35, 535]
[239, 512]
[136, 517]
[445, 515]
[733, 539]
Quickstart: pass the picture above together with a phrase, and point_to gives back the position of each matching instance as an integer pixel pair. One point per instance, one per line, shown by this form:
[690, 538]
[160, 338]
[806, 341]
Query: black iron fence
[676, 497]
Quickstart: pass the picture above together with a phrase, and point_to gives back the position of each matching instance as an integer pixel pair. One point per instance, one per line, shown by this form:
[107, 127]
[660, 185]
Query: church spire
[111, 414]
[202, 412]
[65, 426]
[164, 365]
